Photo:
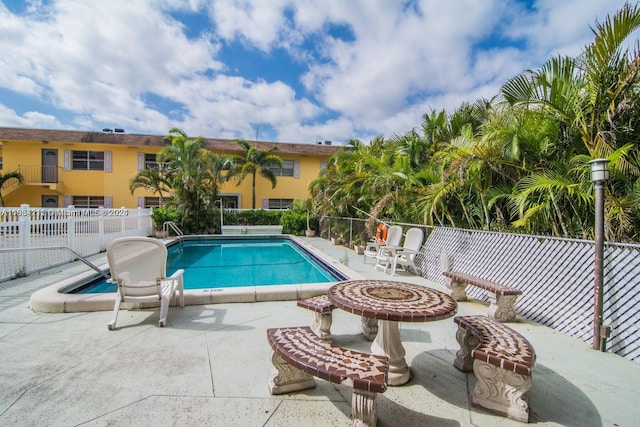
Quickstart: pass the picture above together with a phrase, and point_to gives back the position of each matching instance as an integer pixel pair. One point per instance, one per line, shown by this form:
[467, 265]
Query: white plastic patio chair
[394, 237]
[404, 256]
[138, 266]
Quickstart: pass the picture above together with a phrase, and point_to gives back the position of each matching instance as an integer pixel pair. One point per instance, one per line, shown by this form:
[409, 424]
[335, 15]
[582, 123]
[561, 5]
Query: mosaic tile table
[391, 302]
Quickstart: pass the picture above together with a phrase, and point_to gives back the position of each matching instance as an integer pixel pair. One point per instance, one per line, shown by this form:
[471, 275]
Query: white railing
[83, 231]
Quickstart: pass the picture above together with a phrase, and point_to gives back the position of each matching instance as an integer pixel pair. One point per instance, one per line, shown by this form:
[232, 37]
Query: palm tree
[151, 178]
[194, 174]
[253, 162]
[595, 96]
[4, 178]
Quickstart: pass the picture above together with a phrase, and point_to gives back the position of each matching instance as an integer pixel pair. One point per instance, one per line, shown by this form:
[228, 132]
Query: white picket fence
[83, 231]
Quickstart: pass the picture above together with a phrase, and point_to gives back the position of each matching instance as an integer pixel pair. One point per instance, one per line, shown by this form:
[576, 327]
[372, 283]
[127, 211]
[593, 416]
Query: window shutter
[107, 161]
[141, 202]
[108, 201]
[66, 160]
[265, 203]
[296, 168]
[140, 161]
[66, 199]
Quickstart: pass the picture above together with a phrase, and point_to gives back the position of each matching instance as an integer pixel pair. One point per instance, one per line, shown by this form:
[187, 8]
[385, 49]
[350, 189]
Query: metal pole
[598, 340]
[221, 217]
[599, 175]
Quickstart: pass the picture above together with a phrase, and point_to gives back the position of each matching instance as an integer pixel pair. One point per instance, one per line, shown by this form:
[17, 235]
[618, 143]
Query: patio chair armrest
[407, 252]
[176, 274]
[389, 251]
[372, 246]
[178, 277]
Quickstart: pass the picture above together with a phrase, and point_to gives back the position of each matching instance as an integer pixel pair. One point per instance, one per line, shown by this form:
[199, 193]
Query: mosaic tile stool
[501, 298]
[298, 354]
[323, 317]
[502, 361]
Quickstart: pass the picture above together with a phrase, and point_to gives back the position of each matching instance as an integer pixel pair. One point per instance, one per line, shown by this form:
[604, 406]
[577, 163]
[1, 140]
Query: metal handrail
[42, 248]
[174, 227]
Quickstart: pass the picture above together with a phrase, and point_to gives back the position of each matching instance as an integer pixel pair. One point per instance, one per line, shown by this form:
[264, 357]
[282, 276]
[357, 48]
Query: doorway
[49, 165]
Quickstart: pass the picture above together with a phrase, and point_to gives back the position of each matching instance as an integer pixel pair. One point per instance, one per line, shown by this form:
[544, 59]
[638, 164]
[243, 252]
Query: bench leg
[369, 328]
[364, 408]
[502, 308]
[286, 378]
[458, 289]
[501, 391]
[322, 325]
[467, 341]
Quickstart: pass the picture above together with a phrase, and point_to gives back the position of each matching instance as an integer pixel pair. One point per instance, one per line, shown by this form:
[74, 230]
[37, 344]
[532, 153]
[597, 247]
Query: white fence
[84, 231]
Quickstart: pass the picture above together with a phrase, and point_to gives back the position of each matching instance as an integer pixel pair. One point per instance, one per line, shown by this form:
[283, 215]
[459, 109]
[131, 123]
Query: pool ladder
[172, 225]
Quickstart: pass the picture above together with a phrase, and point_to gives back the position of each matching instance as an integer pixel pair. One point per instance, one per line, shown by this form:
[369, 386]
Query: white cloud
[130, 64]
[30, 119]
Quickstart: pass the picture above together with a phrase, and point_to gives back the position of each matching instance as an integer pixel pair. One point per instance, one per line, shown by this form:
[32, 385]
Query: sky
[271, 70]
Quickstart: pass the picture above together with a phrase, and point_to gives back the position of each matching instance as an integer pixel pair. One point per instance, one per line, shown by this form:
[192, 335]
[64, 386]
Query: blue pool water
[238, 262]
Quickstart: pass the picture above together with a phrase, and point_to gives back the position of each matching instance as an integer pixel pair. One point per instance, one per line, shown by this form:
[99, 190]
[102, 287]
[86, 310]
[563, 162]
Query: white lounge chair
[402, 256]
[138, 266]
[394, 237]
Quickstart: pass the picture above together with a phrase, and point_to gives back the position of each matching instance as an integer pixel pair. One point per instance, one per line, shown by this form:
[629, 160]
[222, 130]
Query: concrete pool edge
[50, 300]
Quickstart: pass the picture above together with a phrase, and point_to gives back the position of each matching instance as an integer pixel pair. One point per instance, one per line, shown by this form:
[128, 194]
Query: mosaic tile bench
[502, 361]
[323, 317]
[298, 354]
[502, 298]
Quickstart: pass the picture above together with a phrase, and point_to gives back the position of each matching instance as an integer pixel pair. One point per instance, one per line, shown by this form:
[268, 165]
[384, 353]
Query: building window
[0, 162]
[88, 160]
[154, 202]
[280, 203]
[286, 170]
[88, 201]
[150, 161]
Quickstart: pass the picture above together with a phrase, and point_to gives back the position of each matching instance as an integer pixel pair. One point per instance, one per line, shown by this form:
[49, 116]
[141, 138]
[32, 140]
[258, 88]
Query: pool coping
[50, 300]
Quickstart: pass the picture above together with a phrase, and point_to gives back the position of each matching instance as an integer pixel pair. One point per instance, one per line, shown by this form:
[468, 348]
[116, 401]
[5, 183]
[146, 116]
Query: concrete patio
[211, 365]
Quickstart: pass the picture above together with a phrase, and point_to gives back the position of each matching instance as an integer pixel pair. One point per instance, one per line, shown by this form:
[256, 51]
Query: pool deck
[211, 366]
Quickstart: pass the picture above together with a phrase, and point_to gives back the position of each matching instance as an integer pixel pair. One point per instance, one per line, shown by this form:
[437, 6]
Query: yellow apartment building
[91, 169]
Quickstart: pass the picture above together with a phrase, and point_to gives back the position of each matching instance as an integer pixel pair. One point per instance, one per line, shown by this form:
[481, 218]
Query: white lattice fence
[85, 231]
[555, 275]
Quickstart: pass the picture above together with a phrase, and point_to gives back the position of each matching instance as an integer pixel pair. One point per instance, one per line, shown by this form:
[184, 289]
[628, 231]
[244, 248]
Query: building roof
[138, 140]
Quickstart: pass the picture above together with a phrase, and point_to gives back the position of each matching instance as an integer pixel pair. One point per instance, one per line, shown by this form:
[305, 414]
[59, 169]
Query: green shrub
[162, 214]
[293, 222]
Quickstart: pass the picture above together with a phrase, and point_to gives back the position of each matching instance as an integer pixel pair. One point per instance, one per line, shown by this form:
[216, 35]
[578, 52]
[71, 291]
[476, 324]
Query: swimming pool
[59, 296]
[229, 263]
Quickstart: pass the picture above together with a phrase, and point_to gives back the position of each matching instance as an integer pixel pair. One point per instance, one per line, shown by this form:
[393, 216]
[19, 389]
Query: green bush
[162, 214]
[252, 217]
[259, 217]
[293, 222]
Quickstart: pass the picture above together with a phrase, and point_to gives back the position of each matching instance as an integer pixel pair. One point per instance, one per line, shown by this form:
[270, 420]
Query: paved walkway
[211, 365]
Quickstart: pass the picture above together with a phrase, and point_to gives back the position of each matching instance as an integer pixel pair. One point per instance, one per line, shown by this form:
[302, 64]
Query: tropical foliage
[517, 162]
[191, 174]
[253, 162]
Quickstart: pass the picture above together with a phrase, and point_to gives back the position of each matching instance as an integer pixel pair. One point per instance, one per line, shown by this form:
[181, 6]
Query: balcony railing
[40, 174]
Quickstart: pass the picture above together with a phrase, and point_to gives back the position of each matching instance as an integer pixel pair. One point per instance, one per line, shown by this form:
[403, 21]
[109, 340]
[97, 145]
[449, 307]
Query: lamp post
[221, 213]
[599, 175]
